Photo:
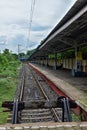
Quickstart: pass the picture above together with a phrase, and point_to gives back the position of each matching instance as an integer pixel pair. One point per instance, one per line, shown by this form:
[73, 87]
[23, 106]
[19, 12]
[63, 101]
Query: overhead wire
[30, 22]
[31, 19]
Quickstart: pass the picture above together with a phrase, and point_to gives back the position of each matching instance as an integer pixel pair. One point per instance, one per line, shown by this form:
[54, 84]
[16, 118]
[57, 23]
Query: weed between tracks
[75, 118]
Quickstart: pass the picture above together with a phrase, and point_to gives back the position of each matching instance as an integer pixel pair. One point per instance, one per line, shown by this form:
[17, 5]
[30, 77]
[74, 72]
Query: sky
[15, 22]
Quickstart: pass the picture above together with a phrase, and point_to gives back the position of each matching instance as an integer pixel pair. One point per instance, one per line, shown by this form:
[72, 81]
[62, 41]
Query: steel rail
[15, 116]
[22, 86]
[15, 112]
[66, 109]
[22, 89]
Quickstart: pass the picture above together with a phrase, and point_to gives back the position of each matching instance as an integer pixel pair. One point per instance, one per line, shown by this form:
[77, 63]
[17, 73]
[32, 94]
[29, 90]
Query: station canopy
[71, 31]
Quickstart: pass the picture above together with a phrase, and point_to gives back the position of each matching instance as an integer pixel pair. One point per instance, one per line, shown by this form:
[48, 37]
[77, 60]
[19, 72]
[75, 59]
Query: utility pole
[19, 50]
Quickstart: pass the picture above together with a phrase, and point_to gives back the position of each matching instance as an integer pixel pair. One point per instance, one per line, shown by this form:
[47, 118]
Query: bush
[3, 61]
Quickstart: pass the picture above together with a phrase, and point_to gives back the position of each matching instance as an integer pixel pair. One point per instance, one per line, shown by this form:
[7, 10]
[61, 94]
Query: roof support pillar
[55, 63]
[39, 60]
[77, 71]
[43, 61]
[74, 70]
[75, 56]
[47, 61]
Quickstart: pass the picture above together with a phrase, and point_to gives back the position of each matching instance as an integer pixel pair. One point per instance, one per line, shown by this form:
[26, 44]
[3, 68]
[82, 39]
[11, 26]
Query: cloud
[15, 19]
[3, 39]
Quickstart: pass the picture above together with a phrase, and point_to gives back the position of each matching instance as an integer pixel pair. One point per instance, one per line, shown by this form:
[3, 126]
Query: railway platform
[73, 87]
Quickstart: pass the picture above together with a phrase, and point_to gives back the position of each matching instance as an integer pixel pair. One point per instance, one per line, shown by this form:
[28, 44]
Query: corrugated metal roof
[65, 39]
[74, 10]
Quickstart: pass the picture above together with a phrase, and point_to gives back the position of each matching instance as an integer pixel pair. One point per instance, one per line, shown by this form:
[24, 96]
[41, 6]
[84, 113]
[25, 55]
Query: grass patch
[75, 118]
[7, 90]
[8, 83]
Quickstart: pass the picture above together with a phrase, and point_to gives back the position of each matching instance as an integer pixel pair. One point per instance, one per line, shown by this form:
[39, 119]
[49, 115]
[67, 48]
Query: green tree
[30, 52]
[8, 55]
[15, 56]
[3, 60]
[6, 52]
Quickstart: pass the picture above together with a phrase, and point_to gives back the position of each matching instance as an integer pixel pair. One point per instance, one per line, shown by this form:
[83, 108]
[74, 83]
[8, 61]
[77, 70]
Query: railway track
[38, 115]
[35, 101]
[36, 92]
